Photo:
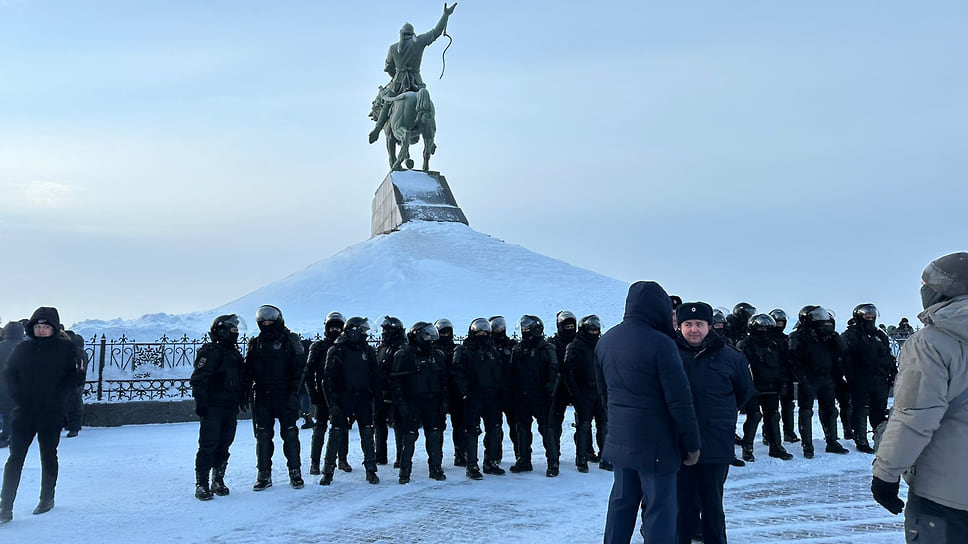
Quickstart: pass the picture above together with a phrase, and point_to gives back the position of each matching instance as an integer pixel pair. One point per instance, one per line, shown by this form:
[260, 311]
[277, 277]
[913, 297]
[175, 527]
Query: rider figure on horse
[403, 64]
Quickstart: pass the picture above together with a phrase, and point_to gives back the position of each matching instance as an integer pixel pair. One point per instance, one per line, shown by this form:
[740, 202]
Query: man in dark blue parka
[721, 383]
[652, 425]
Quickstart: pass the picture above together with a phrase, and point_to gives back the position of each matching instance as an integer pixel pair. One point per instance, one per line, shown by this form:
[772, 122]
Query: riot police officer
[579, 373]
[534, 371]
[818, 351]
[275, 361]
[504, 344]
[350, 379]
[765, 357]
[419, 377]
[332, 327]
[219, 388]
[392, 339]
[479, 373]
[870, 369]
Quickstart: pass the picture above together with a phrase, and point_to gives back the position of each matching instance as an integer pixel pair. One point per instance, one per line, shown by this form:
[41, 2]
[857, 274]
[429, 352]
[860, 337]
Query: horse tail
[424, 104]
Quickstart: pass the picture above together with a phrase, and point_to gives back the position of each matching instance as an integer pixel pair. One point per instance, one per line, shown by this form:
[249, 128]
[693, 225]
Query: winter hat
[948, 275]
[694, 310]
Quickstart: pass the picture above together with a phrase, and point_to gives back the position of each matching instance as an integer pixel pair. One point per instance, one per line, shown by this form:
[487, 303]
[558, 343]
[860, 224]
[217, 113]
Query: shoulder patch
[201, 362]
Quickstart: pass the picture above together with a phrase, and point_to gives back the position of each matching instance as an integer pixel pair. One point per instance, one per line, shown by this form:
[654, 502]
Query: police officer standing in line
[534, 371]
[275, 362]
[567, 328]
[765, 357]
[504, 344]
[393, 338]
[351, 378]
[220, 387]
[870, 368]
[419, 377]
[818, 351]
[579, 372]
[787, 405]
[332, 327]
[445, 343]
[480, 375]
[737, 322]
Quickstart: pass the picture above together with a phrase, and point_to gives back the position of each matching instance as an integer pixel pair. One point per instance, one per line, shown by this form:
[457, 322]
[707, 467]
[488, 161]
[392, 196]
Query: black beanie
[694, 310]
[948, 275]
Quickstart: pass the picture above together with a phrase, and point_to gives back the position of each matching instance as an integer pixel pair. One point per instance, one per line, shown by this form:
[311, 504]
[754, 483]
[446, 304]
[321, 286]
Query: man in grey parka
[927, 432]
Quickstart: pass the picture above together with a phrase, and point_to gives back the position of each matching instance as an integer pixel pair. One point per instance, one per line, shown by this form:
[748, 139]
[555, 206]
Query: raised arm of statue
[434, 33]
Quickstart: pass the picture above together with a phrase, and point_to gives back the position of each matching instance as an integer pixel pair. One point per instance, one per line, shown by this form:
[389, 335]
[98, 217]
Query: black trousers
[868, 399]
[422, 413]
[267, 408]
[530, 406]
[20, 439]
[216, 432]
[484, 406]
[705, 482]
[820, 389]
[358, 406]
[931, 523]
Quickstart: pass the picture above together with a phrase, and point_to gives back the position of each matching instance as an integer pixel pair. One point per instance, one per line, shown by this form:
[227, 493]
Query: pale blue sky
[170, 156]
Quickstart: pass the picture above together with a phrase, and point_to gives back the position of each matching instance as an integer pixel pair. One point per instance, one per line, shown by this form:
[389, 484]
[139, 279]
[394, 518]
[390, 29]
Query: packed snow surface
[424, 271]
[135, 484]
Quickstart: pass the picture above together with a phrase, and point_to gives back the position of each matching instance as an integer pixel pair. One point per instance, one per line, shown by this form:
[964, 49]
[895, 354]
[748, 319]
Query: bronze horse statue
[411, 118]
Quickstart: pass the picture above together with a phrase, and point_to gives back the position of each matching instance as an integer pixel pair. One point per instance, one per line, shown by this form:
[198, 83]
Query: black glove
[885, 493]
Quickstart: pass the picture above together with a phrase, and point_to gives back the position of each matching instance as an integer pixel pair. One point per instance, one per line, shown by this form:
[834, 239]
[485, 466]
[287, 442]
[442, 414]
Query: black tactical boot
[737, 462]
[404, 475]
[780, 453]
[46, 505]
[202, 491]
[605, 465]
[807, 453]
[491, 467]
[437, 473]
[552, 471]
[522, 465]
[295, 478]
[582, 467]
[791, 438]
[314, 469]
[327, 479]
[218, 481]
[371, 477]
[834, 447]
[263, 481]
[864, 447]
[748, 454]
[344, 466]
[460, 459]
[474, 473]
[6, 515]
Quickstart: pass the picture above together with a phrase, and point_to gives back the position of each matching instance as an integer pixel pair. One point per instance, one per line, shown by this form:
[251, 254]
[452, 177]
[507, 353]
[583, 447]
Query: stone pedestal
[413, 195]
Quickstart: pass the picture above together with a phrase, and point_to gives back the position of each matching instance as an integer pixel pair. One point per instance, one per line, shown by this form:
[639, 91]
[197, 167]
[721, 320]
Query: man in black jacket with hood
[40, 373]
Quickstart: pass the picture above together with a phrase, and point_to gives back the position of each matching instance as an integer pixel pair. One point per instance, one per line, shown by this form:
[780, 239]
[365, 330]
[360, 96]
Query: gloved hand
[335, 414]
[691, 458]
[885, 493]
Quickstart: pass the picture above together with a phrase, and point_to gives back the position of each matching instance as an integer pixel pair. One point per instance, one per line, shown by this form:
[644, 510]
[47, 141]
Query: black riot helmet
[356, 329]
[499, 325]
[268, 312]
[423, 335]
[333, 325]
[442, 324]
[761, 323]
[779, 316]
[225, 328]
[866, 311]
[392, 327]
[744, 311]
[479, 325]
[565, 317]
[531, 326]
[719, 318]
[590, 326]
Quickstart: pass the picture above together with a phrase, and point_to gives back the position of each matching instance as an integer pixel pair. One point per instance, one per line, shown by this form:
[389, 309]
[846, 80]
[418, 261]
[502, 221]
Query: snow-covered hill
[424, 271]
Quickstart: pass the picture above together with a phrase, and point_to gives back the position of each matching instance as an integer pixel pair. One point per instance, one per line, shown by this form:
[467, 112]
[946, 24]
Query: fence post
[100, 368]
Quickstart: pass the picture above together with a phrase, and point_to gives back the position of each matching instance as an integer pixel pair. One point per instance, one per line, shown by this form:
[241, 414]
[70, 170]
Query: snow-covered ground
[135, 484]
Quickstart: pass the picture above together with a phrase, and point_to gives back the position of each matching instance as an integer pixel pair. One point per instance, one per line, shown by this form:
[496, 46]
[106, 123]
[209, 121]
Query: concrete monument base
[413, 195]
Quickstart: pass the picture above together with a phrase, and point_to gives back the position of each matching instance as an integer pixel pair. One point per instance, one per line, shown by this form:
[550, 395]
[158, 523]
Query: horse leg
[428, 150]
[391, 147]
[403, 155]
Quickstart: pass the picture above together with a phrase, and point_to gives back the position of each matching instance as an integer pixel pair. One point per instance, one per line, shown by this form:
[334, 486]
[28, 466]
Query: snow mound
[424, 271]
